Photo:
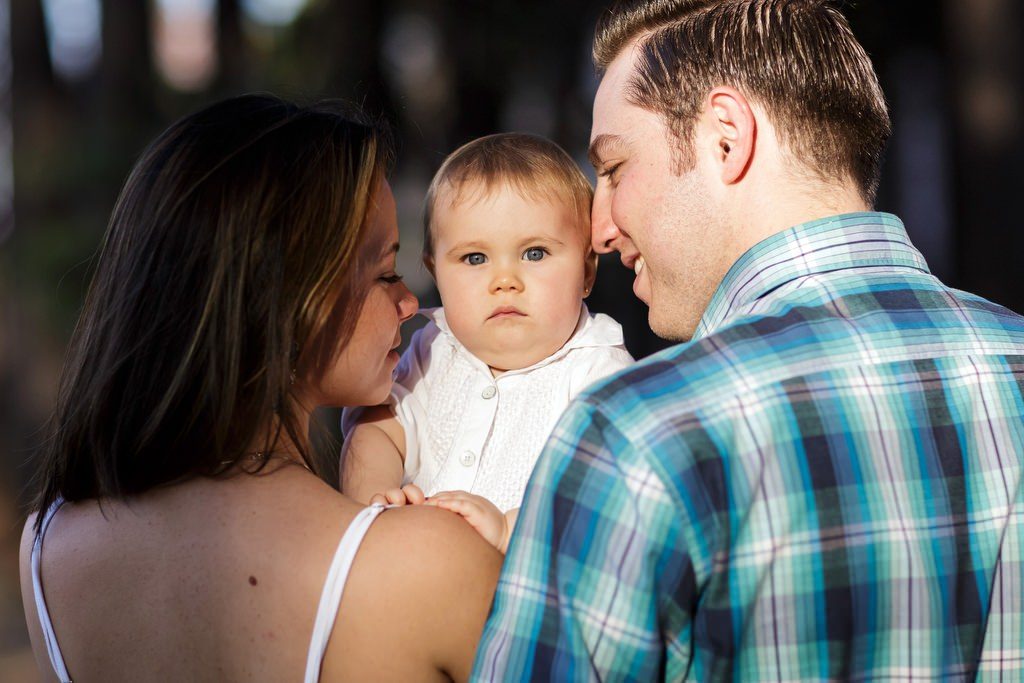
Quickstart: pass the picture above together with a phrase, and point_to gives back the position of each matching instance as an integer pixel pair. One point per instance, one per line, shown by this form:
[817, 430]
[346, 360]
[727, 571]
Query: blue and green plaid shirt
[825, 483]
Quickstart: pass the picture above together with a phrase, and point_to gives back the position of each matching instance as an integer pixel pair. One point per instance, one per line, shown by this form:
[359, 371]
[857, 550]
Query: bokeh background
[84, 84]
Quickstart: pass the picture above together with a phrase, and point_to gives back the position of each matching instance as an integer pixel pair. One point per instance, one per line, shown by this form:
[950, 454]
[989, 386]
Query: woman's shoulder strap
[334, 586]
[52, 648]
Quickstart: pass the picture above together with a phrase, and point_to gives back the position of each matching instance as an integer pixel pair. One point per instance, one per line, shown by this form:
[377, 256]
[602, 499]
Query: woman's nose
[408, 304]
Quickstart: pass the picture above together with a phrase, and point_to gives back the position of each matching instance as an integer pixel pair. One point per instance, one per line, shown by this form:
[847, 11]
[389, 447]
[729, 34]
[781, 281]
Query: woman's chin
[378, 396]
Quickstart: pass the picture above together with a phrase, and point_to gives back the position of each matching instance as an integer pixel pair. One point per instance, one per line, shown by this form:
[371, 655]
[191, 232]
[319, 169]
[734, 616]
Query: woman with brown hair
[247, 276]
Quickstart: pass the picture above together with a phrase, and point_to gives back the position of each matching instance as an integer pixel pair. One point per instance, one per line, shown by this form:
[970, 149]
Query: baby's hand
[410, 494]
[482, 515]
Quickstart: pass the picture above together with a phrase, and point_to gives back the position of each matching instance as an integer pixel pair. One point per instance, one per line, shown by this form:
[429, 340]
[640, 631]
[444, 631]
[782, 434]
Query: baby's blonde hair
[535, 166]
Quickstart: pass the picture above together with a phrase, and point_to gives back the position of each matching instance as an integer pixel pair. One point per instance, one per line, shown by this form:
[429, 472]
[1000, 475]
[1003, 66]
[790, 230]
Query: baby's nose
[506, 281]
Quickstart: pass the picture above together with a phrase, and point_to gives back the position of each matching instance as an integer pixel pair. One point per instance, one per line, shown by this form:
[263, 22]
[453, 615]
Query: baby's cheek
[565, 290]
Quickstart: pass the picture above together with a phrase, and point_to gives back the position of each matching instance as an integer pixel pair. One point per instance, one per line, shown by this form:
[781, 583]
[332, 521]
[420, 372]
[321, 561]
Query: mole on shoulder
[253, 581]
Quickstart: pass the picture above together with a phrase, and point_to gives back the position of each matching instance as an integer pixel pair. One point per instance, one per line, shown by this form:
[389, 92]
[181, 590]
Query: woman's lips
[393, 353]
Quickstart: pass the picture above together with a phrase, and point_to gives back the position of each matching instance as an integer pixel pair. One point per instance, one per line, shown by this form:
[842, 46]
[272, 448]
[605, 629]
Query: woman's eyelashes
[392, 279]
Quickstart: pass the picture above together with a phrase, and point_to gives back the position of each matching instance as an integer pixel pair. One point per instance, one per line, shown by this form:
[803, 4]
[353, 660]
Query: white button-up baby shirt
[467, 430]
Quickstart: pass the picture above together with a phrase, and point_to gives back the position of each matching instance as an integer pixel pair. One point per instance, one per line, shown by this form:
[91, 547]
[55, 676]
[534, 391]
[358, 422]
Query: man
[825, 481]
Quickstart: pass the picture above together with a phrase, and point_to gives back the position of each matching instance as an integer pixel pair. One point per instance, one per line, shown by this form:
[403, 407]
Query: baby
[507, 240]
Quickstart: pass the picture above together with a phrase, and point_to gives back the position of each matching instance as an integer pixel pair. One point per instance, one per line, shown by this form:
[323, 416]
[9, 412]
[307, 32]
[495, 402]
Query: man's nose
[603, 231]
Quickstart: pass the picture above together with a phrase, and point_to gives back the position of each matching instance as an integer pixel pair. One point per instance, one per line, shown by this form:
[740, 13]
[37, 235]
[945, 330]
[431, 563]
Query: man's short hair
[798, 59]
[536, 167]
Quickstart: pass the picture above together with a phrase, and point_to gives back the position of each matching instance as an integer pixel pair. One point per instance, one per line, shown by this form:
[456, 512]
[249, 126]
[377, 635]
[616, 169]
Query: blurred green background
[84, 84]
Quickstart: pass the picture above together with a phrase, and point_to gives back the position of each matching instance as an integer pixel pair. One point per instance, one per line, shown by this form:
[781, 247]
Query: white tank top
[326, 613]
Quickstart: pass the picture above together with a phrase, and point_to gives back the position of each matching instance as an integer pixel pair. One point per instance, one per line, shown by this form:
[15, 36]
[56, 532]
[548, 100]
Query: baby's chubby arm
[373, 459]
[483, 515]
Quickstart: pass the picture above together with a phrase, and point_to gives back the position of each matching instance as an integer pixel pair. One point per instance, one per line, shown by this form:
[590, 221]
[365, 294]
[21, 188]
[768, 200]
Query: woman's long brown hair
[233, 259]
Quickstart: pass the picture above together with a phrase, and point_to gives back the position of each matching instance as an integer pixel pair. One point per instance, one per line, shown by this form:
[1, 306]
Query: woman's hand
[410, 494]
[482, 515]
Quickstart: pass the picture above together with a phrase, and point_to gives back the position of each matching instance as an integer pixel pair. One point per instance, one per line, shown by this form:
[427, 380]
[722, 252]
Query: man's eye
[534, 254]
[475, 259]
[610, 172]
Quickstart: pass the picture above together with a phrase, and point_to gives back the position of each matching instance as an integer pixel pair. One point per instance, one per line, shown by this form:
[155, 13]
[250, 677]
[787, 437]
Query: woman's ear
[589, 271]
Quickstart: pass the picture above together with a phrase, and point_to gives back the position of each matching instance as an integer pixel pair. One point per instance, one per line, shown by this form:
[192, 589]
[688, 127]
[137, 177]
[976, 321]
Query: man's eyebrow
[599, 147]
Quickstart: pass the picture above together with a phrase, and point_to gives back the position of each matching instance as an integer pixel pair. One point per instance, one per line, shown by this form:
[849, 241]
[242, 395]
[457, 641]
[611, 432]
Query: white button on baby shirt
[489, 391]
[468, 458]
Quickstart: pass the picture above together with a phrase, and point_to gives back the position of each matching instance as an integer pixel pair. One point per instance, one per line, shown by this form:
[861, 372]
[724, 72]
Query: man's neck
[779, 211]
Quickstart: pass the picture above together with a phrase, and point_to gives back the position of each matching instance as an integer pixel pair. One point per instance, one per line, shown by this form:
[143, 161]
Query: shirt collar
[854, 240]
[591, 330]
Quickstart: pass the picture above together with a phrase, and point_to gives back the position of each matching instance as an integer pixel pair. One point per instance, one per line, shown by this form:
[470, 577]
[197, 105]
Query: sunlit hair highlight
[536, 167]
[798, 59]
[235, 261]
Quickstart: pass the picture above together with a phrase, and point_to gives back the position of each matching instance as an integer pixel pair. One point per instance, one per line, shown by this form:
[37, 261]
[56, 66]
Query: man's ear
[589, 271]
[733, 129]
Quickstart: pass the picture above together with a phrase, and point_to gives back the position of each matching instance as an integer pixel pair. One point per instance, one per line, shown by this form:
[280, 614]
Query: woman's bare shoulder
[439, 539]
[421, 586]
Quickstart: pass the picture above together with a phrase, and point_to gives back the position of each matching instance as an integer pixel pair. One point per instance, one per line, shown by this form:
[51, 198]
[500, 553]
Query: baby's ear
[589, 271]
[428, 263]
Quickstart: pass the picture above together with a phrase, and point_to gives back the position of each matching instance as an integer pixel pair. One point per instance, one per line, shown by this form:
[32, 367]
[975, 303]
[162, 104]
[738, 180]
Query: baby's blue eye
[475, 259]
[534, 254]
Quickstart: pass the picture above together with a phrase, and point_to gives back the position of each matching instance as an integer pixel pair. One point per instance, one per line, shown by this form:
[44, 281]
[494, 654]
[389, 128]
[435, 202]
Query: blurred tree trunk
[340, 49]
[32, 104]
[985, 39]
[232, 55]
[6, 134]
[356, 62]
[28, 45]
[479, 36]
[35, 99]
[127, 99]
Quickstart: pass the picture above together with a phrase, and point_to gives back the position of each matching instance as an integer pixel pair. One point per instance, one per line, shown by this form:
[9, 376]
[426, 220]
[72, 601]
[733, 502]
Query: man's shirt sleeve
[597, 583]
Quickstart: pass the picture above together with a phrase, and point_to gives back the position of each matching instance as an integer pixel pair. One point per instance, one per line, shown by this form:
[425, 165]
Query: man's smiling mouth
[638, 265]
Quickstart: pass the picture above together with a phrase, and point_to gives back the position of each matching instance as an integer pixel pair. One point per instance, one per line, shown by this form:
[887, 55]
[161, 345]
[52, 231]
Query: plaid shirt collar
[848, 241]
